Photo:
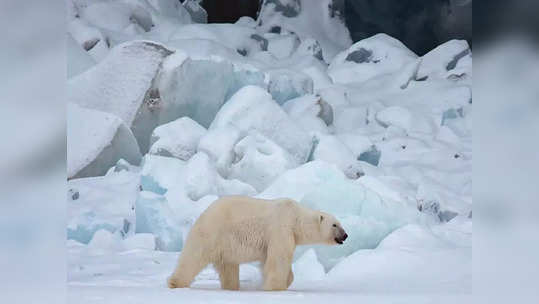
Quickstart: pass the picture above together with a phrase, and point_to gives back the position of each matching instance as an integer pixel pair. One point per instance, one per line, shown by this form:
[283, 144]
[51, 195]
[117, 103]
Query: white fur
[240, 229]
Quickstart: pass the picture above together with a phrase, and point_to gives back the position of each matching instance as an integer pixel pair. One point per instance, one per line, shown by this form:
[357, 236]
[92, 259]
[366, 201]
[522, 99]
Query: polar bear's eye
[334, 225]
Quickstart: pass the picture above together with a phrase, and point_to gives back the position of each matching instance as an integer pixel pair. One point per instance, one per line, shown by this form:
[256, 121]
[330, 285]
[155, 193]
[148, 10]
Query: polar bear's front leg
[277, 267]
[290, 278]
[229, 275]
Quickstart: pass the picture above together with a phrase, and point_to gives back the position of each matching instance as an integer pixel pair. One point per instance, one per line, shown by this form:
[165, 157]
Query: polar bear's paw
[175, 283]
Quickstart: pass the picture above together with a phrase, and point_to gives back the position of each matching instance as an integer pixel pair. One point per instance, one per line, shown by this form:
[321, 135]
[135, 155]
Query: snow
[165, 116]
[311, 112]
[415, 257]
[116, 16]
[349, 119]
[141, 241]
[357, 143]
[365, 59]
[404, 119]
[283, 46]
[219, 143]
[172, 9]
[286, 84]
[258, 161]
[253, 109]
[366, 217]
[200, 49]
[307, 268]
[89, 38]
[197, 12]
[330, 149]
[118, 84]
[297, 182]
[414, 265]
[201, 177]
[178, 138]
[104, 202]
[233, 36]
[103, 241]
[184, 83]
[96, 141]
[155, 216]
[307, 20]
[78, 60]
[160, 173]
[444, 59]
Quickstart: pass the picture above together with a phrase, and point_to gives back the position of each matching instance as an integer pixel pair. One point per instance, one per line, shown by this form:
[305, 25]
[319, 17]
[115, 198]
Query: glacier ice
[116, 16]
[366, 217]
[405, 119]
[184, 181]
[197, 12]
[442, 61]
[203, 49]
[155, 216]
[104, 202]
[308, 268]
[119, 83]
[282, 46]
[367, 58]
[233, 36]
[297, 182]
[78, 60]
[89, 38]
[336, 196]
[246, 21]
[96, 141]
[104, 241]
[178, 138]
[371, 156]
[318, 21]
[173, 9]
[309, 46]
[219, 144]
[443, 265]
[201, 177]
[280, 123]
[253, 109]
[183, 87]
[145, 241]
[160, 173]
[350, 119]
[286, 84]
[330, 149]
[311, 112]
[357, 143]
[258, 161]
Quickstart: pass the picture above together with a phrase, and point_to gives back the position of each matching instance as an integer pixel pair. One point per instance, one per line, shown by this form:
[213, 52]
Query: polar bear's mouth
[339, 241]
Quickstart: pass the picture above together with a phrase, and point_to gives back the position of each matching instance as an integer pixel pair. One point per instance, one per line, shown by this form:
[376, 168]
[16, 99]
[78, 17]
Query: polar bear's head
[330, 229]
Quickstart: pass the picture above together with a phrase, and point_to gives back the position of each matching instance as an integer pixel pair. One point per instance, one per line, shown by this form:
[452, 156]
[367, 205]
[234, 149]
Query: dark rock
[360, 56]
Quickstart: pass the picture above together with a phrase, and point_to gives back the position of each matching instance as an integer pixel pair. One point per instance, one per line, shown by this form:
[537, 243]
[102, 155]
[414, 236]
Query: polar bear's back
[241, 225]
[237, 208]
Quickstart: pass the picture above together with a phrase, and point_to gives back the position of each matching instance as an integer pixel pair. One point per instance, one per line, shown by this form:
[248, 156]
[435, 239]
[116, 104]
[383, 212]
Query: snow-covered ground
[412, 265]
[166, 115]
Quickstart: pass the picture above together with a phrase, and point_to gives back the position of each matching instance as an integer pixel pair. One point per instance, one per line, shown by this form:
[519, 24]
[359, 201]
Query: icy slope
[164, 116]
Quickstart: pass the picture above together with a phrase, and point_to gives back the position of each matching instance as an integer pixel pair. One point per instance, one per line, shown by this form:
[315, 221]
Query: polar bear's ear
[321, 218]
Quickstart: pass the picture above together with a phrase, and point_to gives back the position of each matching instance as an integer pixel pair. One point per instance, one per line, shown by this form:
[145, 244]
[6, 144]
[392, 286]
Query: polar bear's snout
[341, 236]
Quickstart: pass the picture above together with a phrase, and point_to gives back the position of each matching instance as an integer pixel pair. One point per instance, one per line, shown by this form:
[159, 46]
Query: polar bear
[240, 229]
